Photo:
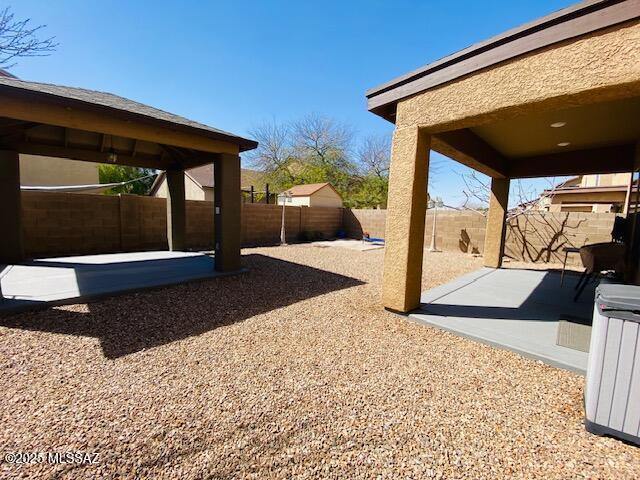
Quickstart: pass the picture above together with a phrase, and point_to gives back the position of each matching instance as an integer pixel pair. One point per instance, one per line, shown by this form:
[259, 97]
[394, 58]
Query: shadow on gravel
[134, 322]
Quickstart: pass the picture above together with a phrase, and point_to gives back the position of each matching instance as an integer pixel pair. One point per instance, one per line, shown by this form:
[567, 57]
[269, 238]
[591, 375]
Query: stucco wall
[594, 201]
[295, 201]
[50, 171]
[600, 66]
[192, 191]
[325, 197]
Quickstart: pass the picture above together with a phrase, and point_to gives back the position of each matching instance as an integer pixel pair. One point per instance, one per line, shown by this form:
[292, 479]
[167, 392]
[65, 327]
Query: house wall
[295, 201]
[605, 180]
[192, 191]
[601, 202]
[51, 171]
[325, 197]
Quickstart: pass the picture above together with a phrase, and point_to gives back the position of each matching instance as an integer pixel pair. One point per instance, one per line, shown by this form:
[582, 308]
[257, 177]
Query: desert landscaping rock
[293, 370]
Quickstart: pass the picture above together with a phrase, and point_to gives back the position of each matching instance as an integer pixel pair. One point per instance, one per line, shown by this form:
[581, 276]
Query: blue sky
[234, 64]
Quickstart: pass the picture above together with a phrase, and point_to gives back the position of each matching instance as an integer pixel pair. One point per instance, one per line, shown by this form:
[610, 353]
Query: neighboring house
[37, 171]
[198, 183]
[311, 195]
[589, 193]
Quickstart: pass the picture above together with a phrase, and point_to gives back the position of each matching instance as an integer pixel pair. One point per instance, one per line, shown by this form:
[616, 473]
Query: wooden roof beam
[144, 161]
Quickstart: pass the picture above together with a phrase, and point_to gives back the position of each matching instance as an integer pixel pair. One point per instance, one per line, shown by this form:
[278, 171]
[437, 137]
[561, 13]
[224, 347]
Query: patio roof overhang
[80, 124]
[557, 96]
[491, 106]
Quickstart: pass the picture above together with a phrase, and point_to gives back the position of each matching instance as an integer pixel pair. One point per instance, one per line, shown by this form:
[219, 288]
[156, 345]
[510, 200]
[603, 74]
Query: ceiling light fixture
[558, 124]
[564, 144]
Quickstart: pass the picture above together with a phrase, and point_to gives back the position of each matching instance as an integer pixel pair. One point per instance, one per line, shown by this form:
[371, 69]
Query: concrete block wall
[62, 223]
[57, 224]
[540, 237]
[456, 231]
[200, 225]
[143, 223]
[535, 237]
[261, 223]
[78, 224]
[358, 221]
[323, 221]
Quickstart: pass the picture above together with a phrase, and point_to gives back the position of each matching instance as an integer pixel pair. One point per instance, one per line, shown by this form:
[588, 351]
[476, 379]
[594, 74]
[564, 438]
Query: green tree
[372, 192]
[317, 149]
[323, 147]
[122, 173]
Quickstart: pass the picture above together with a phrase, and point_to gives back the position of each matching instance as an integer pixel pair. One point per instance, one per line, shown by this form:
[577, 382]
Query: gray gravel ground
[292, 370]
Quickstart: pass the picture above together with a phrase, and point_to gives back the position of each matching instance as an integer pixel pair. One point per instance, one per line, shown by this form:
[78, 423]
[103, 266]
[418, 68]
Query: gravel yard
[291, 370]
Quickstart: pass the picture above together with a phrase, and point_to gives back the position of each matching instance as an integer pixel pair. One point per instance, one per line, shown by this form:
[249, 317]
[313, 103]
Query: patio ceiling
[593, 138]
[80, 124]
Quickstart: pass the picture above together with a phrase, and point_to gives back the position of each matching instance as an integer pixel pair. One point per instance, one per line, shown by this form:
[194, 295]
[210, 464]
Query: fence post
[266, 188]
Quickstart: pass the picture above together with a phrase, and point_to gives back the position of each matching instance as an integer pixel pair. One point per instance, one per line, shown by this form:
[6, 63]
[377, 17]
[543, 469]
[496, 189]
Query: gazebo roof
[115, 104]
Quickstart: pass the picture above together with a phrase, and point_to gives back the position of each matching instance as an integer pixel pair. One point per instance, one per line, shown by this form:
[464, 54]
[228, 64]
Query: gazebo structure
[558, 96]
[79, 124]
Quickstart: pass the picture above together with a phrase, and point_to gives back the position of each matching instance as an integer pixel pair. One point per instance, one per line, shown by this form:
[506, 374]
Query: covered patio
[557, 96]
[78, 124]
[517, 309]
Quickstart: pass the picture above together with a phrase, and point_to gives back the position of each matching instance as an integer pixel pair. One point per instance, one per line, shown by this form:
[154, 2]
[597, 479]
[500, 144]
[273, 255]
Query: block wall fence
[55, 223]
[80, 224]
[534, 237]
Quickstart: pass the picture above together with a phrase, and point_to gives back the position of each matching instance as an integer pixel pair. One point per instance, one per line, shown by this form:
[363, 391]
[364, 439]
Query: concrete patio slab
[63, 280]
[515, 309]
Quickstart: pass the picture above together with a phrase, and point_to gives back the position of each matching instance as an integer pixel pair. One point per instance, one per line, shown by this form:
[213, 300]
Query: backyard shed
[557, 96]
[90, 126]
[311, 195]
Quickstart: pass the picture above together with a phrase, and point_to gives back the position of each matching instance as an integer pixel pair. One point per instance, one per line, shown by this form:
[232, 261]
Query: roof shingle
[115, 102]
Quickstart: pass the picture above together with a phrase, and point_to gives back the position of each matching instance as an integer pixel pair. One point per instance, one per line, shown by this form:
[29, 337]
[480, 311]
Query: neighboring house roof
[571, 22]
[308, 189]
[203, 176]
[571, 182]
[121, 104]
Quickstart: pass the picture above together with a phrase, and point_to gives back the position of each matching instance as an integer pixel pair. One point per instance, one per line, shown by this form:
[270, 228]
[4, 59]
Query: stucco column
[496, 223]
[227, 212]
[11, 249]
[176, 210]
[406, 208]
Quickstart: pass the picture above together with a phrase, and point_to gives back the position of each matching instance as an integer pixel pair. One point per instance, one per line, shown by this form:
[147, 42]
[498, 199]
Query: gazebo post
[406, 211]
[227, 207]
[176, 210]
[496, 223]
[11, 248]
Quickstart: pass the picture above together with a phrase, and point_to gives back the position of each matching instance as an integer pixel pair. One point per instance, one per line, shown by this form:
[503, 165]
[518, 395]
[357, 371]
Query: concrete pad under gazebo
[557, 96]
[79, 124]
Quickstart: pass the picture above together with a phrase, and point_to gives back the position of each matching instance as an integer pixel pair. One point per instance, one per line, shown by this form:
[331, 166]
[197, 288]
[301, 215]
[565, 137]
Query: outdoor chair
[597, 258]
